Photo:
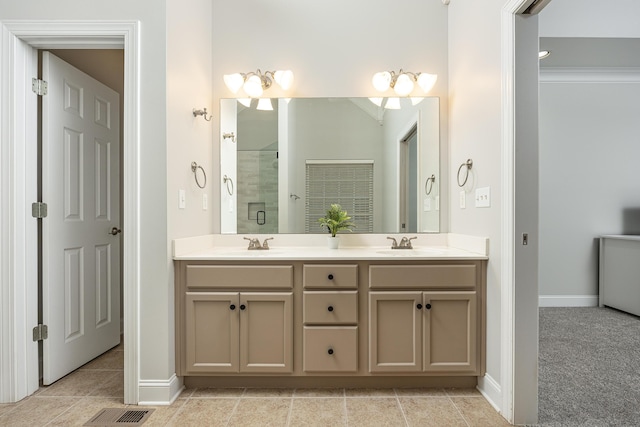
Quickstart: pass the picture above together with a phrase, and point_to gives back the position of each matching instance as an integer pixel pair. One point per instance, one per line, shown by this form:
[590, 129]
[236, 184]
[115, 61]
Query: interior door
[80, 235]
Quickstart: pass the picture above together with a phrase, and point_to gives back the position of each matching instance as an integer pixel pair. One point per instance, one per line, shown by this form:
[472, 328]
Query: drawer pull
[330, 351]
[419, 306]
[330, 308]
[330, 277]
[232, 307]
[428, 306]
[242, 306]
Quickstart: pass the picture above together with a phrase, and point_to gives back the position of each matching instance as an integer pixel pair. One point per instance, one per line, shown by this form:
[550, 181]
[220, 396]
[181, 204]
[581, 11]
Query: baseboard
[568, 301]
[491, 391]
[159, 392]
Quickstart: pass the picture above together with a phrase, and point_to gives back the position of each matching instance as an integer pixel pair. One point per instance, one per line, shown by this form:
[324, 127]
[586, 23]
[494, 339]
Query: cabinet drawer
[330, 276]
[422, 276]
[330, 349]
[330, 307]
[240, 276]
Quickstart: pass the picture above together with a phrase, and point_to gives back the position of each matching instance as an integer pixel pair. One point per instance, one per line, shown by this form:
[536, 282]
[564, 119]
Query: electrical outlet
[463, 200]
[182, 199]
[437, 203]
[205, 202]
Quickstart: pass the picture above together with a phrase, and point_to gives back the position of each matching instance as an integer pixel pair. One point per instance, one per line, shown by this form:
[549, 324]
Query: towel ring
[194, 169]
[431, 179]
[469, 165]
[228, 180]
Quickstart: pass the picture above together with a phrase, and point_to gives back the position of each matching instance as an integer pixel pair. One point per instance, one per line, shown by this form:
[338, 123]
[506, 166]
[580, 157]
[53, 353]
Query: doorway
[408, 180]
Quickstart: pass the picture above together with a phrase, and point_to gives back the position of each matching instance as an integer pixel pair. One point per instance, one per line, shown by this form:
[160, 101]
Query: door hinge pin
[40, 332]
[39, 210]
[40, 87]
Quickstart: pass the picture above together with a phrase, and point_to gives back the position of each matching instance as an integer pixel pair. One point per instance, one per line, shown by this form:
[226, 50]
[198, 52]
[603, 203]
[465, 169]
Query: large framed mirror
[284, 161]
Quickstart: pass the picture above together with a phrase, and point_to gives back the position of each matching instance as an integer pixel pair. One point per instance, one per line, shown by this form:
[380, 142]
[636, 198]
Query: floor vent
[119, 417]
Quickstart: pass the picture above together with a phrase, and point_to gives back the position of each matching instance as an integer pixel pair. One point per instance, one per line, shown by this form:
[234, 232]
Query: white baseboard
[159, 392]
[491, 391]
[568, 301]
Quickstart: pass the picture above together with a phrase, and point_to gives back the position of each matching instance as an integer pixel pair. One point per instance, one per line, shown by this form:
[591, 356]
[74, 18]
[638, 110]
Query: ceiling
[590, 52]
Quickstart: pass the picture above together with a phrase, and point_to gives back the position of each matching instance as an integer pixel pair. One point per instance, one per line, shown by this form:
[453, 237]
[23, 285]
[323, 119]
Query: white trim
[568, 301]
[491, 391]
[50, 34]
[160, 392]
[589, 75]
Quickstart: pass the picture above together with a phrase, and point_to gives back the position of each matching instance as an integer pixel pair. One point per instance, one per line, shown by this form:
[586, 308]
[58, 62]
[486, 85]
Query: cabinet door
[266, 332]
[395, 331]
[450, 327]
[212, 327]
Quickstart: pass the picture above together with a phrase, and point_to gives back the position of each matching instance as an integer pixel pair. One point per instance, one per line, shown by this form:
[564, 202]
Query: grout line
[459, 411]
[177, 412]
[233, 411]
[63, 412]
[404, 416]
[346, 410]
[288, 423]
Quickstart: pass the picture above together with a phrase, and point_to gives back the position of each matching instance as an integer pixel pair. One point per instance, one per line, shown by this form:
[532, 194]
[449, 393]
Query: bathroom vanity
[315, 317]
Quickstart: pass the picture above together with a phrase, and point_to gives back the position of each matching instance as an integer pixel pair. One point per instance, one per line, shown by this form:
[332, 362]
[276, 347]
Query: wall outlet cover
[463, 199]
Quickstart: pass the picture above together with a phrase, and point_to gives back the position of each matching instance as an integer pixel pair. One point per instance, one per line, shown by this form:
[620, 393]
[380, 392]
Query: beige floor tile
[319, 412]
[478, 412]
[203, 412]
[217, 392]
[367, 412]
[162, 415]
[319, 392]
[111, 360]
[84, 410]
[261, 412]
[268, 392]
[79, 383]
[113, 387]
[431, 412]
[420, 392]
[37, 411]
[370, 392]
[5, 408]
[462, 392]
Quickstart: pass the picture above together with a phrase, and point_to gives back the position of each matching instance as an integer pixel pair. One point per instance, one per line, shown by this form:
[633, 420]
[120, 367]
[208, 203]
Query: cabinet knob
[428, 306]
[232, 306]
[330, 308]
[330, 277]
[242, 306]
[419, 306]
[330, 351]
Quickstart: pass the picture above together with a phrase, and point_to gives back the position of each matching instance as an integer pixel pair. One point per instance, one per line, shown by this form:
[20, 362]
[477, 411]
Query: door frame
[18, 249]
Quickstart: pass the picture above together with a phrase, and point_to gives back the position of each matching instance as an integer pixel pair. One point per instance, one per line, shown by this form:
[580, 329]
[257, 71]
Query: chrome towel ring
[194, 169]
[428, 188]
[228, 180]
[469, 165]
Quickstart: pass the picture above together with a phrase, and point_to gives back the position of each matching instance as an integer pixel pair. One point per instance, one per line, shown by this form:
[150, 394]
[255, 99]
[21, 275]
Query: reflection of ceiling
[369, 107]
[590, 52]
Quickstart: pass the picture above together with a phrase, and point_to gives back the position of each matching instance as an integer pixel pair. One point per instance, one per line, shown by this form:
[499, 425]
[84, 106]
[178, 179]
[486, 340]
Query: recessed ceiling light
[543, 54]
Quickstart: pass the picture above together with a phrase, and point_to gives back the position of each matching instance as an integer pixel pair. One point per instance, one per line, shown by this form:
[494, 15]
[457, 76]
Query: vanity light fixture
[543, 54]
[402, 82]
[254, 83]
[264, 104]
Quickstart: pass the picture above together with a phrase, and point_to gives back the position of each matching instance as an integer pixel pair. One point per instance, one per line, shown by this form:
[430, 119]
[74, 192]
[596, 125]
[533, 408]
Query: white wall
[333, 47]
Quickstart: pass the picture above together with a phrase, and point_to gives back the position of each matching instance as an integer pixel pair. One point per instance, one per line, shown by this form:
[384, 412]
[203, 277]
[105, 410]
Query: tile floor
[74, 399]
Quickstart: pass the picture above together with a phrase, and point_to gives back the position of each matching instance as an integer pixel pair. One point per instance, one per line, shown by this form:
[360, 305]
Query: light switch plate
[483, 197]
[437, 203]
[205, 202]
[463, 199]
[182, 199]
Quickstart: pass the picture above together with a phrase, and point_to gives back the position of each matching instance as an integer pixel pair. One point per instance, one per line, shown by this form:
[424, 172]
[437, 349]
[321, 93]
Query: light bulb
[381, 81]
[253, 86]
[245, 101]
[284, 78]
[233, 81]
[392, 104]
[404, 85]
[264, 104]
[377, 101]
[415, 101]
[426, 81]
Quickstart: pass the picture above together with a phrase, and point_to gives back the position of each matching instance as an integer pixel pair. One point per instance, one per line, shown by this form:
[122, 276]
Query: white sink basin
[411, 252]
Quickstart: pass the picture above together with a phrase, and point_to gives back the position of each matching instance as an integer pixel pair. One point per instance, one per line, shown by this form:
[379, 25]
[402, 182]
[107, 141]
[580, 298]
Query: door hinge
[39, 210]
[40, 332]
[40, 87]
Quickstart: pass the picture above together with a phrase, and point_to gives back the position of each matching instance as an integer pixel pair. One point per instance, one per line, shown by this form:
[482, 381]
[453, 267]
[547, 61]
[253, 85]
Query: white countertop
[233, 248]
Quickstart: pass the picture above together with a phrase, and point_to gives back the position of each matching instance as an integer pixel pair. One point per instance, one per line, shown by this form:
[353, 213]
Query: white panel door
[80, 184]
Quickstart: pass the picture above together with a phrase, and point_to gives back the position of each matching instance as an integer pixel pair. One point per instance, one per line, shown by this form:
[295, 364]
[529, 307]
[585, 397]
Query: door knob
[115, 231]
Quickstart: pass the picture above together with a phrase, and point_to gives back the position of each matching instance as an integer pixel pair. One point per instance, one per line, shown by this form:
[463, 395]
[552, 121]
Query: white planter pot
[333, 242]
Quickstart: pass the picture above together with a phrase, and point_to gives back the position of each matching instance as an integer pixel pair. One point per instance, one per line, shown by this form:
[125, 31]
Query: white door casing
[80, 184]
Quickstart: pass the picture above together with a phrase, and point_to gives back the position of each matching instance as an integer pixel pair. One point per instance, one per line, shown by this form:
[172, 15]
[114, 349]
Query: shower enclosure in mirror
[292, 160]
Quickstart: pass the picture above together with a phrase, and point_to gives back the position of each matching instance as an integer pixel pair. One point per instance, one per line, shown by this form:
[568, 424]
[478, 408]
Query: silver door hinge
[40, 87]
[39, 210]
[40, 332]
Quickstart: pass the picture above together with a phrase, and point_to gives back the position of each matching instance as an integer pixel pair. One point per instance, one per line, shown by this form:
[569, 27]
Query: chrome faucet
[254, 243]
[394, 244]
[406, 243]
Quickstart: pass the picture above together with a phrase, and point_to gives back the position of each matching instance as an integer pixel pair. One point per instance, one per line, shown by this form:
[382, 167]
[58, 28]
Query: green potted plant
[334, 221]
